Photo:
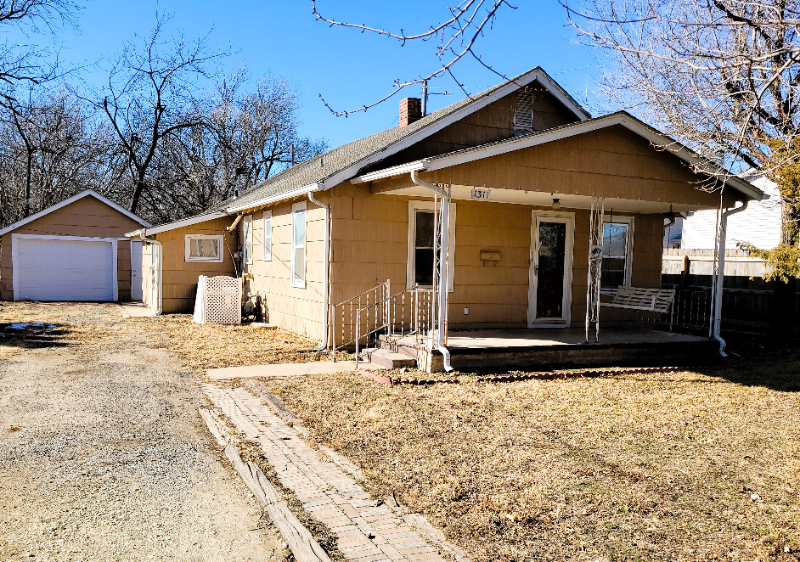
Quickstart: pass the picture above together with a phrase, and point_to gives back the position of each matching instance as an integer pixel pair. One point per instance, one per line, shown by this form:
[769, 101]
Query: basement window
[203, 247]
[617, 262]
[299, 245]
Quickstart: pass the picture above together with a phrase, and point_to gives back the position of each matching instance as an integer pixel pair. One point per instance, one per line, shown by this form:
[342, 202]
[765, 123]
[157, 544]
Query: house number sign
[481, 194]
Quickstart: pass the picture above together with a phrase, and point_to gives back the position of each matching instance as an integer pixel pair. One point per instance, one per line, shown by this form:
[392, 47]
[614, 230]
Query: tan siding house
[75, 250]
[522, 169]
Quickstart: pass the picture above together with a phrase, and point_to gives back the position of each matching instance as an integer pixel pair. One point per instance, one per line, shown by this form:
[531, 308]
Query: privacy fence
[749, 303]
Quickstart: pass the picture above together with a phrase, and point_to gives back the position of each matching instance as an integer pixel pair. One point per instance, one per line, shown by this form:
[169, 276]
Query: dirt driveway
[103, 455]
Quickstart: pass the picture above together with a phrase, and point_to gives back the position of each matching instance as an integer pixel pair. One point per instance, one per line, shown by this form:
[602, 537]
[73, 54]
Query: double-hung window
[617, 253]
[421, 222]
[247, 245]
[299, 245]
[267, 235]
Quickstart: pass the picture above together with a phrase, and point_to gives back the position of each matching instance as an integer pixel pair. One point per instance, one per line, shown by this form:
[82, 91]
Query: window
[267, 235]
[617, 252]
[203, 247]
[299, 245]
[420, 244]
[247, 244]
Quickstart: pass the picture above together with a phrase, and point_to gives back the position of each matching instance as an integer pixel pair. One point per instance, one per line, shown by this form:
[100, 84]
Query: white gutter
[279, 197]
[326, 271]
[720, 280]
[160, 308]
[443, 281]
[390, 172]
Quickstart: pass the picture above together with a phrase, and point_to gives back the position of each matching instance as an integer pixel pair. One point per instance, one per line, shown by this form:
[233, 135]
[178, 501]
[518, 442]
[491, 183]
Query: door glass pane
[550, 286]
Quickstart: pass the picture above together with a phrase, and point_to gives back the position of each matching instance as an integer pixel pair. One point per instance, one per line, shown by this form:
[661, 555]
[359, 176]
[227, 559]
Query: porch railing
[348, 311]
[692, 309]
[409, 312]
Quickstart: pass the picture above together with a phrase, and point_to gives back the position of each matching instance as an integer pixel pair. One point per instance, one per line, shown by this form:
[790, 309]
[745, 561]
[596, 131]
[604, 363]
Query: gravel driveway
[103, 455]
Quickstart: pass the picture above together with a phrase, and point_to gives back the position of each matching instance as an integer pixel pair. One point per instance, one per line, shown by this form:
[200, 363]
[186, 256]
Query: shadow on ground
[34, 335]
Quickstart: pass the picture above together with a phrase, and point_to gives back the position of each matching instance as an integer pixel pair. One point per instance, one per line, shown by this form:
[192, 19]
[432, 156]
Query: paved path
[366, 532]
[286, 369]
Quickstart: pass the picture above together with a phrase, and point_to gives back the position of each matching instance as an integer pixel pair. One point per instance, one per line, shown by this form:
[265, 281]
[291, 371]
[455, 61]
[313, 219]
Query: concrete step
[388, 359]
[394, 345]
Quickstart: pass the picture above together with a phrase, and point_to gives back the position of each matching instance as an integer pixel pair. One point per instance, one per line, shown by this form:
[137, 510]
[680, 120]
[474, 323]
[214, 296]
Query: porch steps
[394, 344]
[388, 359]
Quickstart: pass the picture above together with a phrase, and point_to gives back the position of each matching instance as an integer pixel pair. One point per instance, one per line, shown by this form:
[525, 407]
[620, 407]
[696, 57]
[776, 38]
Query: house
[75, 250]
[517, 184]
[760, 224]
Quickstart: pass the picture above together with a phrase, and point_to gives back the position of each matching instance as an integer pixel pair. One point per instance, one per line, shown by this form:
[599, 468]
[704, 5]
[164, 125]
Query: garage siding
[87, 217]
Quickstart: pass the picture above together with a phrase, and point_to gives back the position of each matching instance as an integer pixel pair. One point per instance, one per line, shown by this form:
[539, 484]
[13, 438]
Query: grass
[668, 466]
[200, 347]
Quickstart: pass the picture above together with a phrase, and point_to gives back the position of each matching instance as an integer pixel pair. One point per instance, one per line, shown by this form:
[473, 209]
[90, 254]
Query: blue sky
[348, 68]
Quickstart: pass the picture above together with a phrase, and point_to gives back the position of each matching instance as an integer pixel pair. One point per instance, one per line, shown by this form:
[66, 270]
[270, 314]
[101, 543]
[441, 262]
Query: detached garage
[73, 251]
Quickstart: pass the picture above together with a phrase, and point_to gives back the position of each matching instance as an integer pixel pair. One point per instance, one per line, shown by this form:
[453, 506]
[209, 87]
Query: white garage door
[52, 269]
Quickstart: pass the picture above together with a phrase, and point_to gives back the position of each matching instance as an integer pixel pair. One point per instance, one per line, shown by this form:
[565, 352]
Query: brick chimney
[410, 111]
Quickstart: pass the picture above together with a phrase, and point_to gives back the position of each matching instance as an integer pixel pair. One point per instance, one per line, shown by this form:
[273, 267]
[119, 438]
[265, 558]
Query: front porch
[483, 350]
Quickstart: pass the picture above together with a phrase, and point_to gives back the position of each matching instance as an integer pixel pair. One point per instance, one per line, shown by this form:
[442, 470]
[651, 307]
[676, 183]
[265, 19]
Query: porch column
[595, 267]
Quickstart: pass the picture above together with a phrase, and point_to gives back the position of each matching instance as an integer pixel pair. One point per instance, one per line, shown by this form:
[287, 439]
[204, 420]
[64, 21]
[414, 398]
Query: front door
[550, 294]
[136, 270]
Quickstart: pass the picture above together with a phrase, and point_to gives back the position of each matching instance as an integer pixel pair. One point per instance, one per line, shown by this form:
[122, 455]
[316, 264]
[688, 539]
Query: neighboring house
[73, 251]
[759, 225]
[525, 163]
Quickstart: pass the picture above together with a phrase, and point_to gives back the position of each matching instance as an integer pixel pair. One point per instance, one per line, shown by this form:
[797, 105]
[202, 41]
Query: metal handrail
[384, 316]
[376, 294]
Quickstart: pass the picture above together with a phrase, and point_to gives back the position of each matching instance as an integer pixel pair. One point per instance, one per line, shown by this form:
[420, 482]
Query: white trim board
[518, 143]
[69, 201]
[177, 224]
[15, 257]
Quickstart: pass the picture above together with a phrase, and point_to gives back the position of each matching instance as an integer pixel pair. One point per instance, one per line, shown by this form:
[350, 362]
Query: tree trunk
[28, 184]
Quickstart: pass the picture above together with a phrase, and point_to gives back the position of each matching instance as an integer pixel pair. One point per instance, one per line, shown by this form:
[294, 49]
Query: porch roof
[623, 119]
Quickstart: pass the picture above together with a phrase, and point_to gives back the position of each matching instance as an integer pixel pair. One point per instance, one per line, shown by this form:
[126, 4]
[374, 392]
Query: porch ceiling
[545, 199]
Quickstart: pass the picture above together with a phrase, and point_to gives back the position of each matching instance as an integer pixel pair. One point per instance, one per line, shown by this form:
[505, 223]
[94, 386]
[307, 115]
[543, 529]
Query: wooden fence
[748, 302]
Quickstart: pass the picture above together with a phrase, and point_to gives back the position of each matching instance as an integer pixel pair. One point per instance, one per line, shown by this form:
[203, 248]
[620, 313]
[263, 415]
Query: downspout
[160, 308]
[720, 280]
[443, 269]
[326, 272]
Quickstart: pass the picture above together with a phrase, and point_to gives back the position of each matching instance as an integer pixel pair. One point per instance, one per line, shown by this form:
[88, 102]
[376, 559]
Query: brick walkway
[366, 532]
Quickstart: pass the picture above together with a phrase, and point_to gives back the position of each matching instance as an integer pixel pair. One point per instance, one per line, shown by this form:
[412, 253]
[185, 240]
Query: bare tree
[52, 148]
[244, 138]
[150, 96]
[454, 38]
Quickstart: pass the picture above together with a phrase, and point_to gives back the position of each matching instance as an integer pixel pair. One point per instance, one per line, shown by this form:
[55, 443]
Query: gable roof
[621, 118]
[342, 163]
[69, 201]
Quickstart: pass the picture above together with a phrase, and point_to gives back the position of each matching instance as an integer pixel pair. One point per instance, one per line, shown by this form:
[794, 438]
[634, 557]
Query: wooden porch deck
[546, 348]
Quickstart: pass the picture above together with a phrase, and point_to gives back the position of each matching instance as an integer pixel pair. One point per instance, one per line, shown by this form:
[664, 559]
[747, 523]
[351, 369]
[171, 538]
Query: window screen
[615, 254]
[299, 246]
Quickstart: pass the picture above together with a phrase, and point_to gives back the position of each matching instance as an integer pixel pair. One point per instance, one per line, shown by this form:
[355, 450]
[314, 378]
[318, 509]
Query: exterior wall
[179, 277]
[86, 217]
[296, 309]
[370, 245]
[492, 123]
[759, 224]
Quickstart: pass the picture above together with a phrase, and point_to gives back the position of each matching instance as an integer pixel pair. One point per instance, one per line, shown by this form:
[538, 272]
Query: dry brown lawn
[200, 347]
[675, 466]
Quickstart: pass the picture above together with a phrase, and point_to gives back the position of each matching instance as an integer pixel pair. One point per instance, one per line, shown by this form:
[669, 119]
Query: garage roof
[65, 202]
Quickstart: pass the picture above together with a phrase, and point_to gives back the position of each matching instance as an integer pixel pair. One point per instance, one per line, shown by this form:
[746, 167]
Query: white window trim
[628, 250]
[187, 250]
[565, 321]
[248, 256]
[413, 207]
[295, 209]
[267, 235]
